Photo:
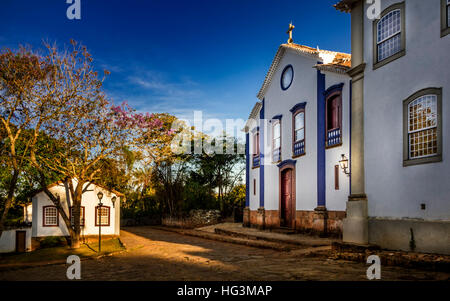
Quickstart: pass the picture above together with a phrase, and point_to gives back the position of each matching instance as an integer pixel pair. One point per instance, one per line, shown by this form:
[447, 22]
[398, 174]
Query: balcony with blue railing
[299, 148]
[334, 137]
[256, 161]
[277, 155]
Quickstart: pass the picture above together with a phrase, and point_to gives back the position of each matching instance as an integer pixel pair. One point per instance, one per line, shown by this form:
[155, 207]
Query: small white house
[46, 219]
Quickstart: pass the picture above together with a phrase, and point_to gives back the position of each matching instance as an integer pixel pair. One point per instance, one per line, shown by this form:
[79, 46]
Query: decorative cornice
[332, 68]
[253, 116]
[357, 70]
[277, 117]
[287, 162]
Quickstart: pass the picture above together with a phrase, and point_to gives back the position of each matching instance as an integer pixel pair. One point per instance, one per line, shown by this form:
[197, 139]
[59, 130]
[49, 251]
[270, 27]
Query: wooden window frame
[83, 217]
[445, 27]
[276, 122]
[96, 216]
[377, 64]
[256, 148]
[44, 224]
[294, 114]
[438, 156]
[336, 94]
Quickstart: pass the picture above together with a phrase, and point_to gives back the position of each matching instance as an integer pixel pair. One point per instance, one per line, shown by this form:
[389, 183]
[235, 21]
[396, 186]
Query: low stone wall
[196, 218]
[306, 221]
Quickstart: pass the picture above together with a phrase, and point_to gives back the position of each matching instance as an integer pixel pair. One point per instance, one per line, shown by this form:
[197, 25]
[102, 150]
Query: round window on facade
[286, 77]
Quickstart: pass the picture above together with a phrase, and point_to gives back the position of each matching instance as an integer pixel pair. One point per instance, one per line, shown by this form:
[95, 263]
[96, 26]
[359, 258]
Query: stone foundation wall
[272, 219]
[319, 221]
[410, 235]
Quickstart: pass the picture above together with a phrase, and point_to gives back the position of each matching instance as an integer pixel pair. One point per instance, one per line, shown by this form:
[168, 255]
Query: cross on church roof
[291, 28]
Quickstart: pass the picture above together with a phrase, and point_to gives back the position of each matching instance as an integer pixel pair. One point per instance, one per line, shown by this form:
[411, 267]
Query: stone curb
[265, 238]
[222, 238]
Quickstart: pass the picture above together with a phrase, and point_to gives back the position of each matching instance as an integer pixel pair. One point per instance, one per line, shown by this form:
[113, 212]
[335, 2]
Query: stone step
[231, 239]
[267, 237]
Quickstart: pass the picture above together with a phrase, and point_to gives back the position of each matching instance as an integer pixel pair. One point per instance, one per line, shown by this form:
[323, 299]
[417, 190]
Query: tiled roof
[253, 115]
[335, 61]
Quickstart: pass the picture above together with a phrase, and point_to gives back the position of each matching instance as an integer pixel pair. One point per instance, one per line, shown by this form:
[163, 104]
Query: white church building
[358, 146]
[400, 142]
[296, 135]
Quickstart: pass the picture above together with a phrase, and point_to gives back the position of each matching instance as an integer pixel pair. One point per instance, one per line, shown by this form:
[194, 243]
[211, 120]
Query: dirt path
[159, 255]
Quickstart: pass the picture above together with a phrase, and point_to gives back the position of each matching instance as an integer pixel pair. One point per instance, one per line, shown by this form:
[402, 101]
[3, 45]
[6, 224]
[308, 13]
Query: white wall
[8, 240]
[89, 201]
[277, 101]
[393, 190]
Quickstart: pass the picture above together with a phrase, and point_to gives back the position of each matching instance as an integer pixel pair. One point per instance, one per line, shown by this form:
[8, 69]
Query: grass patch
[61, 253]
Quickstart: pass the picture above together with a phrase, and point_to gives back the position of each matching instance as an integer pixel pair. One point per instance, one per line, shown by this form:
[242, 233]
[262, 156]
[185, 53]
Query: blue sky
[180, 56]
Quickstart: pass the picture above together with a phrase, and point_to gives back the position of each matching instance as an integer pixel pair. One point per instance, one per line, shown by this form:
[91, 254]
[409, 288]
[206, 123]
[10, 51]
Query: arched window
[389, 35]
[276, 141]
[298, 129]
[422, 118]
[299, 133]
[255, 149]
[334, 119]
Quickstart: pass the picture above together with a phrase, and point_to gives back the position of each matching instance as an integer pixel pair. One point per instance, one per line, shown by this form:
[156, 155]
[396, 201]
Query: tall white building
[400, 141]
[296, 135]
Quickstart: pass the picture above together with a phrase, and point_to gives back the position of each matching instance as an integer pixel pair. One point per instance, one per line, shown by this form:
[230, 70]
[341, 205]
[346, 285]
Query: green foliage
[52, 241]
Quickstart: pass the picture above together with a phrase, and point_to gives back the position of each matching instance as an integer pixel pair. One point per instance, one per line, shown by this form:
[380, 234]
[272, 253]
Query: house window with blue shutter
[256, 154]
[298, 129]
[333, 119]
[276, 143]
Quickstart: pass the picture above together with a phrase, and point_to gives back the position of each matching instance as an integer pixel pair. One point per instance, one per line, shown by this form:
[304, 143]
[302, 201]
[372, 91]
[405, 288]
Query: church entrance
[287, 203]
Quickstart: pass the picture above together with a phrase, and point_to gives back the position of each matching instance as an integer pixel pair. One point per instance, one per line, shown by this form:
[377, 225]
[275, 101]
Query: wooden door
[286, 198]
[20, 241]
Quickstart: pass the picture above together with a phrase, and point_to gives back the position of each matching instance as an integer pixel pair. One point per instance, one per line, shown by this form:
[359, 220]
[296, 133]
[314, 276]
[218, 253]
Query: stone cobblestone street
[160, 255]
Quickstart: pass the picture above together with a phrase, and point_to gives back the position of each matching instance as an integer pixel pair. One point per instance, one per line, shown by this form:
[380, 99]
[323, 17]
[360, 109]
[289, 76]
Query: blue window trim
[281, 78]
[261, 151]
[247, 169]
[333, 138]
[321, 129]
[276, 155]
[278, 117]
[298, 147]
[287, 162]
[332, 89]
[298, 106]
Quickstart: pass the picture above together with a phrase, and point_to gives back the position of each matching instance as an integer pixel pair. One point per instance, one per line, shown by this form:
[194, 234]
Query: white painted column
[355, 225]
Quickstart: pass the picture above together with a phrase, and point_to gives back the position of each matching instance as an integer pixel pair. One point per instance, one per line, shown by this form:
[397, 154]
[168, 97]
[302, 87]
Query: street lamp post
[99, 217]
